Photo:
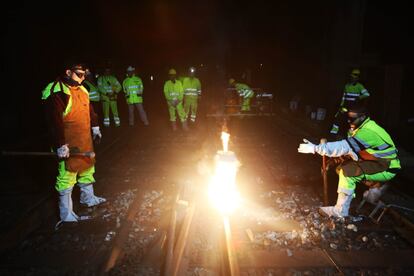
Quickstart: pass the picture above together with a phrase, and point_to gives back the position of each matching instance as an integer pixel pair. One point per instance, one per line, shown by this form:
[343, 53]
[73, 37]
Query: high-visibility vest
[353, 92]
[173, 90]
[93, 92]
[108, 85]
[59, 86]
[244, 90]
[133, 89]
[370, 142]
[192, 86]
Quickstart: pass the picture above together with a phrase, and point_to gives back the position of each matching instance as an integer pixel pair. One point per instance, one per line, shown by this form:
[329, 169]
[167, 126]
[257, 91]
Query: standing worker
[94, 97]
[354, 92]
[192, 92]
[372, 157]
[174, 94]
[109, 87]
[72, 123]
[245, 92]
[133, 89]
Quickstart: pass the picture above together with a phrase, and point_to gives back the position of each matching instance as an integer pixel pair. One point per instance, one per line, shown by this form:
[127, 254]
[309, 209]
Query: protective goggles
[80, 74]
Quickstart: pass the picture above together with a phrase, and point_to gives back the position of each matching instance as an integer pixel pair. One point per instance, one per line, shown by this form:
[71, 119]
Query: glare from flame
[222, 187]
[225, 140]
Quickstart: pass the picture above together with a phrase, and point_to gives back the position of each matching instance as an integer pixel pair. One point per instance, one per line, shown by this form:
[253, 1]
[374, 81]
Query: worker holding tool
[109, 87]
[245, 92]
[72, 123]
[133, 89]
[354, 93]
[192, 92]
[174, 94]
[372, 156]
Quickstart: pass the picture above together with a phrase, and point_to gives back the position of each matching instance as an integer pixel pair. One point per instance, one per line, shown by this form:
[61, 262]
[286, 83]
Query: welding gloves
[96, 132]
[331, 149]
[306, 147]
[63, 151]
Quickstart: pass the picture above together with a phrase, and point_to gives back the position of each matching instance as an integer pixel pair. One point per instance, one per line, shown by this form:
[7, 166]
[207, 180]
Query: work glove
[306, 147]
[174, 103]
[96, 132]
[63, 151]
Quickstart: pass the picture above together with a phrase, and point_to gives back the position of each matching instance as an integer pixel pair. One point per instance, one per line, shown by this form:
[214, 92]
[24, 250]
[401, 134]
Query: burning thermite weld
[222, 189]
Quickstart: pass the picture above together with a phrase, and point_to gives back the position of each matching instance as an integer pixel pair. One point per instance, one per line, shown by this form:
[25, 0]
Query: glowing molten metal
[222, 188]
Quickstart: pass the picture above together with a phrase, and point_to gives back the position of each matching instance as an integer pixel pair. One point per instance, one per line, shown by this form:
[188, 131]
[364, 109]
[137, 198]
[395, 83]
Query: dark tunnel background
[304, 48]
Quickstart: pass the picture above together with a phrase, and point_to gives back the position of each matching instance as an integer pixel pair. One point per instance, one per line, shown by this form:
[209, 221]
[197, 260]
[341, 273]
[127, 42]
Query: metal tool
[72, 151]
[324, 176]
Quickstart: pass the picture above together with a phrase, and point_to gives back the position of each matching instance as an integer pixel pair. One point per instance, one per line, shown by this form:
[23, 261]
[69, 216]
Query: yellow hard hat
[231, 81]
[355, 72]
[172, 72]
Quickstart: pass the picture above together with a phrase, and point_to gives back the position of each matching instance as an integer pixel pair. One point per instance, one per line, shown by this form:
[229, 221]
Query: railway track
[276, 234]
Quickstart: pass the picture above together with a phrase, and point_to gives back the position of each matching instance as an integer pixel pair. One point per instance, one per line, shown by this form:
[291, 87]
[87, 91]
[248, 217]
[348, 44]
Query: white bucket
[320, 114]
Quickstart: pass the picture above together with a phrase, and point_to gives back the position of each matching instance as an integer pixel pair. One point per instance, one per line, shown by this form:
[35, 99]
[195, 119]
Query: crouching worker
[72, 123]
[372, 157]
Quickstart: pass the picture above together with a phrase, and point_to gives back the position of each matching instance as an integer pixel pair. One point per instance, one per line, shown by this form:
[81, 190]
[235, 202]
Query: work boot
[174, 126]
[340, 210]
[66, 212]
[185, 126]
[87, 196]
[374, 193]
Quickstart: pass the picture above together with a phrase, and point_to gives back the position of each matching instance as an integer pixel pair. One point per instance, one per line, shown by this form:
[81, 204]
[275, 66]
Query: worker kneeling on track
[372, 156]
[72, 122]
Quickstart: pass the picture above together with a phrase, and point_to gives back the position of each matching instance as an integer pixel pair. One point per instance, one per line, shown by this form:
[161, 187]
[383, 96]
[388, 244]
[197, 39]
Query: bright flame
[222, 187]
[225, 140]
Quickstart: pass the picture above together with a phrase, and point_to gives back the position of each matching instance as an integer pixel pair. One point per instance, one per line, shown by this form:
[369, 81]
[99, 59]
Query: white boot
[66, 206]
[341, 209]
[87, 196]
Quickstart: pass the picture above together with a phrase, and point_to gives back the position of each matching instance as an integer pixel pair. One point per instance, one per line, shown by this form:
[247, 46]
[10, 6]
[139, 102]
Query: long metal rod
[325, 177]
[89, 154]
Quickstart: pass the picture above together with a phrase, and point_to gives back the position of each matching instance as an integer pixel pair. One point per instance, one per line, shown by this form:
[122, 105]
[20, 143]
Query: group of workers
[182, 96]
[74, 126]
[106, 90]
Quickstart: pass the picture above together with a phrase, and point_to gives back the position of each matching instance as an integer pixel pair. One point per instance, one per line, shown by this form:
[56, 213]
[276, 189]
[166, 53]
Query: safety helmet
[192, 69]
[357, 114]
[130, 69]
[231, 81]
[355, 73]
[172, 72]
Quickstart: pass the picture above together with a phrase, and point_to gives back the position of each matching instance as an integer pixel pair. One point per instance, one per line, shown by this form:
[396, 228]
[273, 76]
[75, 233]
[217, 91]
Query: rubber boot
[185, 126]
[174, 126]
[88, 197]
[341, 209]
[66, 212]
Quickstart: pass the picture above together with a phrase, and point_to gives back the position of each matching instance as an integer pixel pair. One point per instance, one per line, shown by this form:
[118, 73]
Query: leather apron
[77, 129]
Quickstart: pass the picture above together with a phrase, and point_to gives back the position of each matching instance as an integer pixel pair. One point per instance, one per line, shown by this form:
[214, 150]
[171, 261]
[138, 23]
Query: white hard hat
[130, 68]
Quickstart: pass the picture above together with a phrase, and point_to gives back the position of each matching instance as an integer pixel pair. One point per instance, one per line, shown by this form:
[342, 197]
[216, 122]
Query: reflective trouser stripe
[179, 109]
[348, 184]
[191, 105]
[112, 105]
[67, 179]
